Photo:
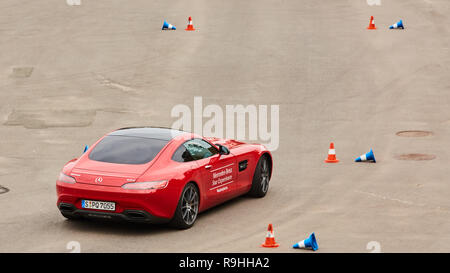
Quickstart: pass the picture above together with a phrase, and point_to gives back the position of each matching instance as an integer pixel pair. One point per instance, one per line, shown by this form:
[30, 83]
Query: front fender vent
[243, 165]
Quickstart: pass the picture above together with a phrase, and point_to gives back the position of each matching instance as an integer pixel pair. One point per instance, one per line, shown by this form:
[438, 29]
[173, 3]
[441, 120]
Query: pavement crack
[113, 84]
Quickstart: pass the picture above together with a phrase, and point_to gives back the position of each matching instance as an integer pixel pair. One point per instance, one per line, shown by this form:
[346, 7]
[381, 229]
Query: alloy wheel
[189, 209]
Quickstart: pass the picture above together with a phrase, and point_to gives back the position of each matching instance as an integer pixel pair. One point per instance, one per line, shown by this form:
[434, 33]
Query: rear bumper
[153, 206]
[135, 216]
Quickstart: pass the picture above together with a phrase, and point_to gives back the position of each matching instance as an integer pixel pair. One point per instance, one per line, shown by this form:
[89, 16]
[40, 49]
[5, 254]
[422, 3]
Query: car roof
[148, 132]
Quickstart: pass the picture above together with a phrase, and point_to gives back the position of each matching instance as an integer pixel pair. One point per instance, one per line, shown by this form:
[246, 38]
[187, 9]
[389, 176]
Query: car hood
[106, 174]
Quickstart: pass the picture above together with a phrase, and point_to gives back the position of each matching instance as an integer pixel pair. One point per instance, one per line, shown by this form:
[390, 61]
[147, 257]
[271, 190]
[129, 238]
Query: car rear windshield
[127, 149]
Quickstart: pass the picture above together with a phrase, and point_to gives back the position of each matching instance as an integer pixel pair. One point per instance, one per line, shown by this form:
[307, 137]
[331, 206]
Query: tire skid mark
[404, 202]
[43, 119]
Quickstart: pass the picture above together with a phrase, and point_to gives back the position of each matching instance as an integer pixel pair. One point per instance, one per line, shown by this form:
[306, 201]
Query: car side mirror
[223, 150]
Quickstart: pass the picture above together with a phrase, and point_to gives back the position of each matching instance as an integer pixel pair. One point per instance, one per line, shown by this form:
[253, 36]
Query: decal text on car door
[221, 177]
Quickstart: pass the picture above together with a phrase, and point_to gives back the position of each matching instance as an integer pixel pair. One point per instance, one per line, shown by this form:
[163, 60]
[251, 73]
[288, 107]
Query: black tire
[261, 177]
[187, 209]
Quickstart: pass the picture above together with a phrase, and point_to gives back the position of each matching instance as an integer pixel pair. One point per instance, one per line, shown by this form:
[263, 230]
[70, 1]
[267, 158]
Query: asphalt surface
[68, 75]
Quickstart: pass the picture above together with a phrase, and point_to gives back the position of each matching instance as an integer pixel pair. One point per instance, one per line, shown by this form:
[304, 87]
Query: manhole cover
[416, 157]
[3, 190]
[414, 133]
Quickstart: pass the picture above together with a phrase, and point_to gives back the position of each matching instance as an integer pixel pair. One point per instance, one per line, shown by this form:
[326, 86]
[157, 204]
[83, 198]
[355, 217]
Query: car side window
[199, 149]
[182, 154]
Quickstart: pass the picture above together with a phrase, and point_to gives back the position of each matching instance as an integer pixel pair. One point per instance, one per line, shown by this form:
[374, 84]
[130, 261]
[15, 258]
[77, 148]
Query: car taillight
[66, 179]
[153, 185]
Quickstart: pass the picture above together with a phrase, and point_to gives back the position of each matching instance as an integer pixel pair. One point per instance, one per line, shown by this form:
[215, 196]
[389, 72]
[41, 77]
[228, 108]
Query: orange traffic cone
[371, 23]
[331, 155]
[270, 238]
[190, 26]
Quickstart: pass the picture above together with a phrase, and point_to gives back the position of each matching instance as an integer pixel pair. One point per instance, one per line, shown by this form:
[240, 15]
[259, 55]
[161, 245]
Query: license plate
[100, 205]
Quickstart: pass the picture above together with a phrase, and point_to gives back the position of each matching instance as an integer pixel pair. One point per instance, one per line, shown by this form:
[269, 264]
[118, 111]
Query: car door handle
[208, 166]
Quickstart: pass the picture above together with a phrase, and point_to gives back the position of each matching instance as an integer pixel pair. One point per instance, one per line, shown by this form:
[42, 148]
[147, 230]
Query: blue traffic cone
[168, 26]
[366, 157]
[85, 148]
[308, 243]
[399, 24]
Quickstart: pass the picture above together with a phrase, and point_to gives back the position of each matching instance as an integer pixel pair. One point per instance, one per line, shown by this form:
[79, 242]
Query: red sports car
[160, 175]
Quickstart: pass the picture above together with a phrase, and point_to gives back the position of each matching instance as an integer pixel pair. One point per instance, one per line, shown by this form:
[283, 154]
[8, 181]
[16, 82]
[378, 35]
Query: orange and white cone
[270, 238]
[371, 23]
[331, 155]
[190, 26]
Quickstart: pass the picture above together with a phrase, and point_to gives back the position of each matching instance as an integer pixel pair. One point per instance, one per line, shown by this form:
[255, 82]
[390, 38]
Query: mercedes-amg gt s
[160, 175]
